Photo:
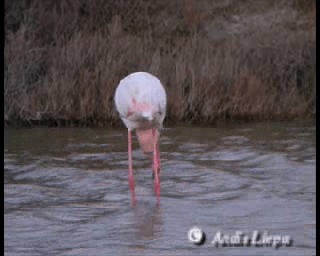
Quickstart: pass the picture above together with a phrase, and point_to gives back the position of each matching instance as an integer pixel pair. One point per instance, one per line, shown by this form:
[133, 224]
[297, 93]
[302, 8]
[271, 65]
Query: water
[66, 190]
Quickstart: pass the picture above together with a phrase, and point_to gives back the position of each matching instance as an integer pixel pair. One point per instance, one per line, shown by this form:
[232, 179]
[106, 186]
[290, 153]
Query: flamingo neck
[146, 139]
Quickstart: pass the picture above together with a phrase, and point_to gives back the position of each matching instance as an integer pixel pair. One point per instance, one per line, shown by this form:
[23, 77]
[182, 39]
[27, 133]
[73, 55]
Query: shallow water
[66, 190]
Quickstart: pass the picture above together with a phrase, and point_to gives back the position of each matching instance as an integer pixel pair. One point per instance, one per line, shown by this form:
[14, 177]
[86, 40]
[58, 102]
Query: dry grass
[64, 59]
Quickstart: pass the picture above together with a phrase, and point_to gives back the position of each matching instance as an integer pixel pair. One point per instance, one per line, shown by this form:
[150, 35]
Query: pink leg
[156, 164]
[131, 178]
[158, 158]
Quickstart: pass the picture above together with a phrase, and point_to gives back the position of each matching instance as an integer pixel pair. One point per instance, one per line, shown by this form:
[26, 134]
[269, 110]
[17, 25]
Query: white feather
[144, 88]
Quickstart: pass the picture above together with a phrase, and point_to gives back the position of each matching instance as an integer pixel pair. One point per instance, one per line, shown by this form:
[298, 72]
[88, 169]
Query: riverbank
[221, 61]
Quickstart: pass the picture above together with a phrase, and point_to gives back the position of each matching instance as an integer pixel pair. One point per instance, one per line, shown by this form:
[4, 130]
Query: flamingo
[141, 101]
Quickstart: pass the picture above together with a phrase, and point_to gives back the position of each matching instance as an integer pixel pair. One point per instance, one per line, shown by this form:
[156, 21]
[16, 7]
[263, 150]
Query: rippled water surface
[66, 190]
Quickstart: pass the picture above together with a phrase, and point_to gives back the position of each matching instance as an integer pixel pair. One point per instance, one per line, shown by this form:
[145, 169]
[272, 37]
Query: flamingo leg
[156, 163]
[131, 178]
[158, 158]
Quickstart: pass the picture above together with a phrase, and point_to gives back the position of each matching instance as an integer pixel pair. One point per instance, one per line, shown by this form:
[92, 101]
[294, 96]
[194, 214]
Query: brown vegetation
[219, 60]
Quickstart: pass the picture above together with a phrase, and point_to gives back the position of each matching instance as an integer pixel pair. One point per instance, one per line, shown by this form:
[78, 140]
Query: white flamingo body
[143, 88]
[141, 102]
